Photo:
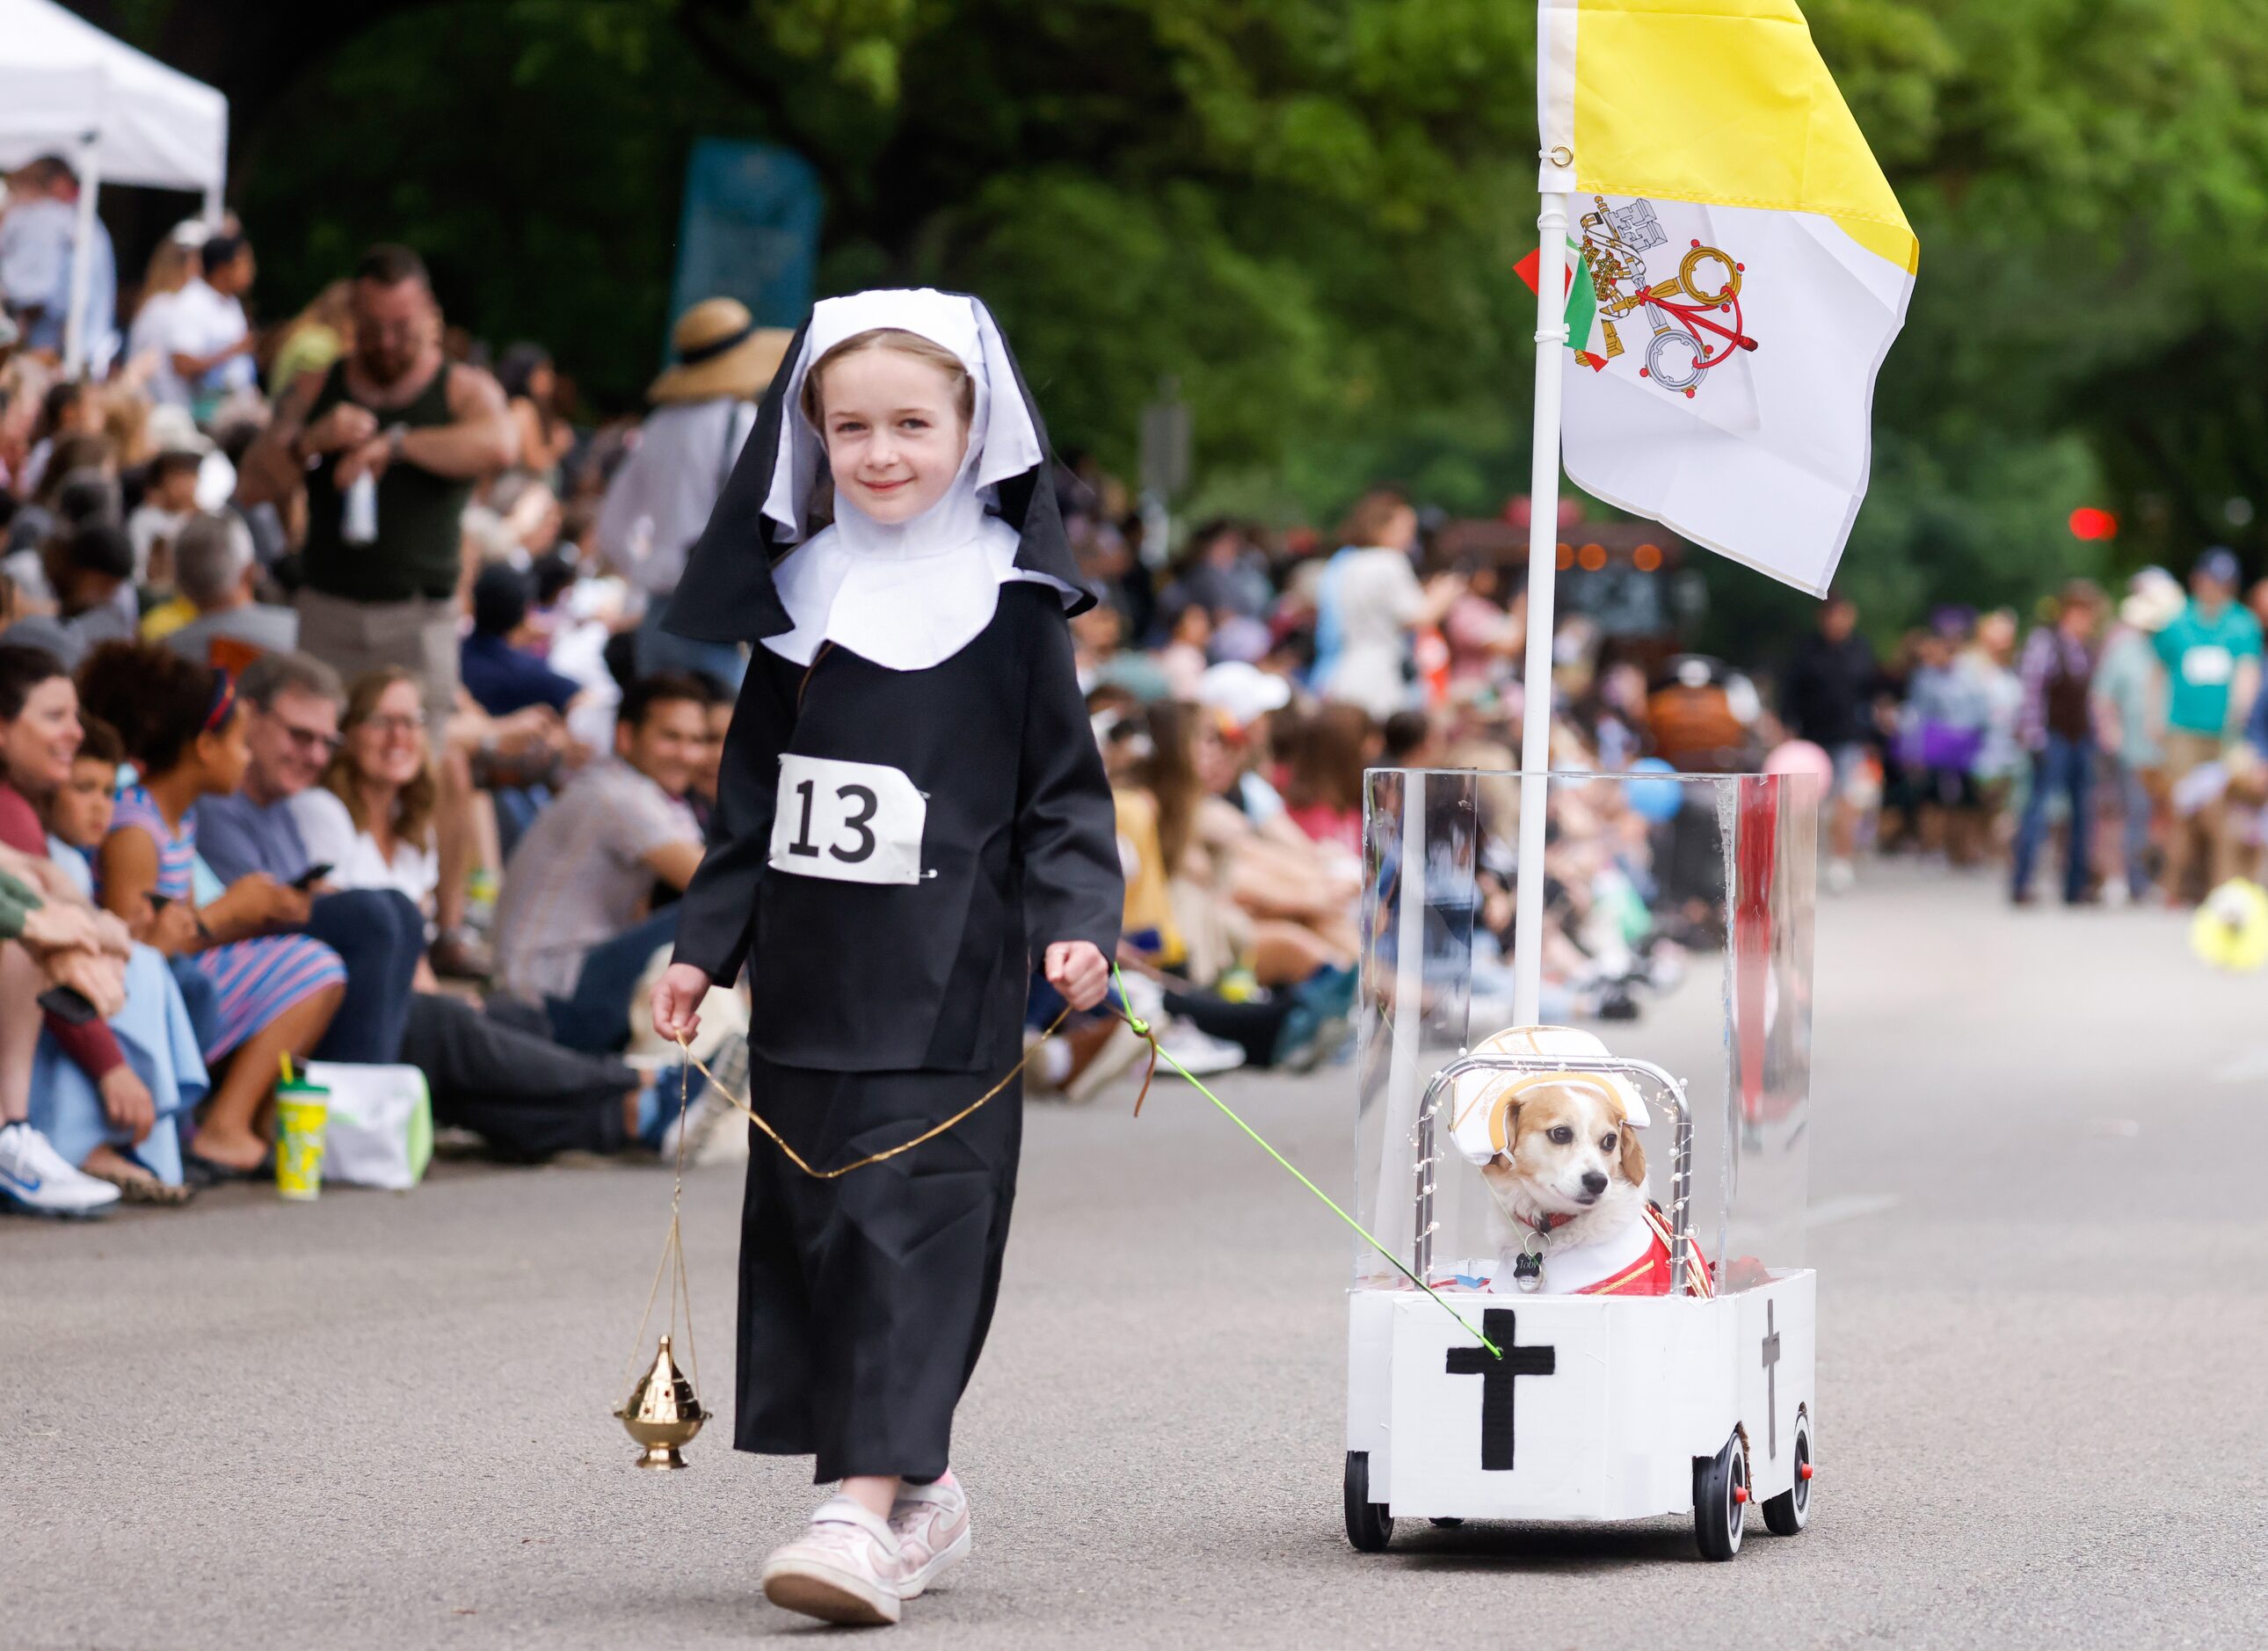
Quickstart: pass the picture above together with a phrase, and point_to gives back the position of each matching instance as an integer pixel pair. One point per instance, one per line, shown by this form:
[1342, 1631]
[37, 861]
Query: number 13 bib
[856, 822]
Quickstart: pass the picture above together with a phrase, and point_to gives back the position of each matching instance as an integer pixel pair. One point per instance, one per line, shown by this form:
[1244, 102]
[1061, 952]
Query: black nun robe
[881, 1009]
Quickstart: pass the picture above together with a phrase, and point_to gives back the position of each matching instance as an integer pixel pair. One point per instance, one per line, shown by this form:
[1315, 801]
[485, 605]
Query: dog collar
[1527, 1266]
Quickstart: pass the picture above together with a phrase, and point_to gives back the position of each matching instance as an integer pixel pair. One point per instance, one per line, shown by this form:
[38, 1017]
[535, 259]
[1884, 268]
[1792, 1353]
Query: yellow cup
[302, 1112]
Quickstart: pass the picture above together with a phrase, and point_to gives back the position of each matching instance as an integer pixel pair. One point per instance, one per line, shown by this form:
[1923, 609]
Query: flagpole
[1542, 567]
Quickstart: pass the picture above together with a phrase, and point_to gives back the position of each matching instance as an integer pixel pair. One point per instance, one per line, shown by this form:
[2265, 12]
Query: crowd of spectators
[324, 729]
[336, 723]
[2134, 731]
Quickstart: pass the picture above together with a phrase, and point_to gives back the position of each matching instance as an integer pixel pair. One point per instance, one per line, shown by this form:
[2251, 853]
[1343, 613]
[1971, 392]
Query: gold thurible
[662, 1412]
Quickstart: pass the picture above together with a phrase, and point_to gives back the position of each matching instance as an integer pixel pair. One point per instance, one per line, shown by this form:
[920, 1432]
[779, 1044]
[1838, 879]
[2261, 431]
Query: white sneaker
[34, 1177]
[930, 1523]
[1200, 1054]
[1840, 877]
[844, 1568]
[706, 1140]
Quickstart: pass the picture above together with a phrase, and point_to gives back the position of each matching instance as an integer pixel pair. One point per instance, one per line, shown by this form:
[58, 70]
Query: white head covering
[909, 595]
[1479, 1100]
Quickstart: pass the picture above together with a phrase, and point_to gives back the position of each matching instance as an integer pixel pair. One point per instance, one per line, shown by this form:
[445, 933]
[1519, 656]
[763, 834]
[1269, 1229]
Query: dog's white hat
[1480, 1102]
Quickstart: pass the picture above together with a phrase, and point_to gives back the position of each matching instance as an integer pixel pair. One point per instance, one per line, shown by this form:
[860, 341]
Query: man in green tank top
[382, 559]
[390, 444]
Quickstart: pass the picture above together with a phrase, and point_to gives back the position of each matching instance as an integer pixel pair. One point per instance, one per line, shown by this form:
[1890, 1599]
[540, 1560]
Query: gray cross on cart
[1772, 1381]
[1502, 1326]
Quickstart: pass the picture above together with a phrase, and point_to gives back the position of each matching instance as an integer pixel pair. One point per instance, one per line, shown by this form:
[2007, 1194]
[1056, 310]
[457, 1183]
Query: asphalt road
[382, 1421]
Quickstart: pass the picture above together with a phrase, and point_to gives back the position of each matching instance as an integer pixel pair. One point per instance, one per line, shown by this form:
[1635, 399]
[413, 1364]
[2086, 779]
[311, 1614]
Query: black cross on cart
[1498, 1374]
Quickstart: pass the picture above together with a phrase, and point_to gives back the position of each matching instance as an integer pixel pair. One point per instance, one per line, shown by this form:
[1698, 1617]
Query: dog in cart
[1597, 1361]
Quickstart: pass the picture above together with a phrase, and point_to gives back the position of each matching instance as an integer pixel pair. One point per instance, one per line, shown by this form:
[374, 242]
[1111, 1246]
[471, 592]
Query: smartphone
[158, 902]
[67, 1004]
[313, 875]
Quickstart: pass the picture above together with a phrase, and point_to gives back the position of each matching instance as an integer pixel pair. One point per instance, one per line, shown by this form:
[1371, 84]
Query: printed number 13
[855, 823]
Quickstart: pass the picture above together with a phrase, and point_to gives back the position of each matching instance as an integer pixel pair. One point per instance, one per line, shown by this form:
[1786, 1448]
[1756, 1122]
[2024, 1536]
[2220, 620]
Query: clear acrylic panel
[1687, 898]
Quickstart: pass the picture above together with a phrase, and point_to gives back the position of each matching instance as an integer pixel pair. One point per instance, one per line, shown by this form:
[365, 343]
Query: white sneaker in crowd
[844, 1568]
[706, 1140]
[1200, 1054]
[930, 1523]
[1840, 877]
[34, 1177]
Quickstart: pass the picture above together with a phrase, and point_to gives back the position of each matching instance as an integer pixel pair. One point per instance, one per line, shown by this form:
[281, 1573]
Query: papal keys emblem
[1694, 316]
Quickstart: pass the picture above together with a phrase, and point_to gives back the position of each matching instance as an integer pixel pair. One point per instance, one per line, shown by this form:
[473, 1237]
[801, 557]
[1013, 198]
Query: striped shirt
[254, 981]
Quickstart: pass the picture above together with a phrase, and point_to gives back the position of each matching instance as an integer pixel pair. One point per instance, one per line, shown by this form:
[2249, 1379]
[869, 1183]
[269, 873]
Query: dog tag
[1528, 1271]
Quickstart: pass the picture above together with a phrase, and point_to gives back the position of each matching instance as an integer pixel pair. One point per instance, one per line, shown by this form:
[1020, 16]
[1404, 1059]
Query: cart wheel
[1720, 1498]
[1368, 1525]
[1786, 1514]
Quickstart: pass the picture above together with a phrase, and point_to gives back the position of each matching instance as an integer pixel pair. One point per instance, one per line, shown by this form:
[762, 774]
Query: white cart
[1599, 1407]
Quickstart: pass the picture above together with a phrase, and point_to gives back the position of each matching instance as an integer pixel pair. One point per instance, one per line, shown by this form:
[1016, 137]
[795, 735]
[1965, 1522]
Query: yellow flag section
[1746, 264]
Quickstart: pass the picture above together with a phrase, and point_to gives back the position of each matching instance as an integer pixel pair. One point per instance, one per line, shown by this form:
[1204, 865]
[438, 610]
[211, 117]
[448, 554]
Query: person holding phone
[527, 1096]
[292, 702]
[276, 992]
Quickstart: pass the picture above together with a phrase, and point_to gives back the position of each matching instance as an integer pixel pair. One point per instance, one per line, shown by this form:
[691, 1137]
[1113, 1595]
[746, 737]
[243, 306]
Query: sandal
[201, 1172]
[144, 1187]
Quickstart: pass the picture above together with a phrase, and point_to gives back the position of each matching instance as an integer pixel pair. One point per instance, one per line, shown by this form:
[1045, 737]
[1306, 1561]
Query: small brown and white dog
[1566, 1172]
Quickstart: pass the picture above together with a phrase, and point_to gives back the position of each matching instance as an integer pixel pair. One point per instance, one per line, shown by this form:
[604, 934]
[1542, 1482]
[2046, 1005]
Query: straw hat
[172, 430]
[720, 351]
[1241, 692]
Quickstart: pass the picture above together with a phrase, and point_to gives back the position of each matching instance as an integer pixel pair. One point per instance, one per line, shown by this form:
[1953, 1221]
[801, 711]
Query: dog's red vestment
[1649, 1274]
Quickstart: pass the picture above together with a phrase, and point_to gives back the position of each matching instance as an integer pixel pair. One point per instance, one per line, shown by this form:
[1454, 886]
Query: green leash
[1142, 1030]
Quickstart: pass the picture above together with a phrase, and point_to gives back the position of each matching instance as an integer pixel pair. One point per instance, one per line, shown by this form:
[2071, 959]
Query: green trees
[1308, 212]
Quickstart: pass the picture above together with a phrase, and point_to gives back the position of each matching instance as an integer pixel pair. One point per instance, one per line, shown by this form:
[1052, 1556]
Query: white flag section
[1739, 265]
[1732, 400]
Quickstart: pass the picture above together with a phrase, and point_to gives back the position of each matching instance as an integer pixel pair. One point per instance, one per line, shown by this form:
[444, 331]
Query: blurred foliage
[1305, 212]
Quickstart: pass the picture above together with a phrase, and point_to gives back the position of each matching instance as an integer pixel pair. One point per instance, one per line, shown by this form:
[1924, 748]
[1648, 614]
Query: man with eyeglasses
[530, 1097]
[293, 726]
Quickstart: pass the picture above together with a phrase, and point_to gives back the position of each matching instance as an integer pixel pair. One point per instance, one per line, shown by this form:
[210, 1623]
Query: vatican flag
[1737, 268]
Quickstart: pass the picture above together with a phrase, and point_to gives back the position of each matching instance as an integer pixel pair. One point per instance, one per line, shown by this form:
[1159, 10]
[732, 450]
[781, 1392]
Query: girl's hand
[256, 902]
[1077, 969]
[677, 1002]
[173, 930]
[126, 1102]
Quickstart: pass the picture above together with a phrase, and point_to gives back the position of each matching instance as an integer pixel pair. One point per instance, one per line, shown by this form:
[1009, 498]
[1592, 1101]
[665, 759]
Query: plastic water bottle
[358, 513]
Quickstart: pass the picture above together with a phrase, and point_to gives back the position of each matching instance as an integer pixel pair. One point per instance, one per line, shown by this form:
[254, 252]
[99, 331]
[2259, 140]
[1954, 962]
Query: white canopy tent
[117, 114]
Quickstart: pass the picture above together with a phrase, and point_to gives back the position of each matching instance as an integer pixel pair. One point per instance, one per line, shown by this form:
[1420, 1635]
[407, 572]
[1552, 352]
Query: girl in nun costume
[911, 813]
